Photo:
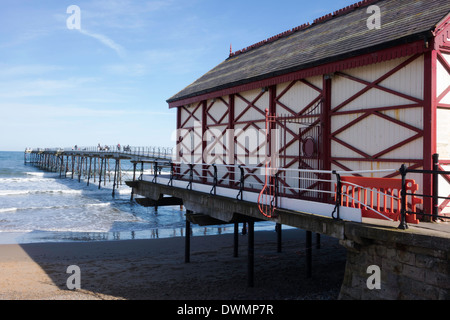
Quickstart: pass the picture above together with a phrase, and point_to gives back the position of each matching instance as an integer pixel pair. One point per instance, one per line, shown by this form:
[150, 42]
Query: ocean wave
[13, 209]
[16, 231]
[41, 174]
[28, 192]
[8, 180]
[12, 192]
[6, 210]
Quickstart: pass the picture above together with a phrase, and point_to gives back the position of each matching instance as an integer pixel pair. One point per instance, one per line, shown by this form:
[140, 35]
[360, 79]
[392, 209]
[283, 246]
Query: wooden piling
[308, 248]
[187, 247]
[251, 254]
[236, 240]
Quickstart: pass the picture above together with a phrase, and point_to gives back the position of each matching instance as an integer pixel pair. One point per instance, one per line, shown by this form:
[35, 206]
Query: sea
[38, 206]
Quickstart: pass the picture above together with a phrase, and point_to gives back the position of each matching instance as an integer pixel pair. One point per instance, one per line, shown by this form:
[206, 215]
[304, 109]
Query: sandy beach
[155, 269]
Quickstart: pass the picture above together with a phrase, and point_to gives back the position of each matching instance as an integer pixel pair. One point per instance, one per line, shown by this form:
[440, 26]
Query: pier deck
[94, 162]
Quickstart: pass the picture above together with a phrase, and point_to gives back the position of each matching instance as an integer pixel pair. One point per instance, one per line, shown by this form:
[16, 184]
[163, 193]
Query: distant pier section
[99, 163]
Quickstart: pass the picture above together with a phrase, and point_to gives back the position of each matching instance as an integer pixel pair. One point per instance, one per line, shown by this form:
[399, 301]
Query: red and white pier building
[337, 95]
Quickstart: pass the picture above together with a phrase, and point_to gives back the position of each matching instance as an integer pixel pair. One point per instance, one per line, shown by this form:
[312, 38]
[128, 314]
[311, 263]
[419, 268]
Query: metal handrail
[246, 171]
[154, 152]
[435, 196]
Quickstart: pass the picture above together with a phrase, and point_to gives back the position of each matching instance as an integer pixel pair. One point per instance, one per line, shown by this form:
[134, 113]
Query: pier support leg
[308, 247]
[80, 167]
[317, 241]
[89, 172]
[61, 163]
[95, 167]
[114, 182]
[73, 165]
[236, 240]
[187, 247]
[251, 253]
[100, 174]
[244, 228]
[66, 167]
[279, 231]
[134, 178]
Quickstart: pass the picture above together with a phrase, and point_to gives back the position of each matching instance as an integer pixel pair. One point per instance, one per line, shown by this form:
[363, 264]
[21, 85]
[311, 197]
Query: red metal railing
[379, 198]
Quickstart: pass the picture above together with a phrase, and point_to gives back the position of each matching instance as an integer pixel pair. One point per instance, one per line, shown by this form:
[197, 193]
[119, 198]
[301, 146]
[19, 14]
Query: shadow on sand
[155, 269]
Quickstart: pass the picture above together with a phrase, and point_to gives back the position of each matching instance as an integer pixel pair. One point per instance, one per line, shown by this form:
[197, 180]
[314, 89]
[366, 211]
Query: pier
[413, 257]
[98, 164]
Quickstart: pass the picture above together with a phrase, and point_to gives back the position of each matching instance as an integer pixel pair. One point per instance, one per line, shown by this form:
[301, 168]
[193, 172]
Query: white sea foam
[8, 210]
[40, 174]
[4, 193]
[28, 192]
[87, 205]
[22, 180]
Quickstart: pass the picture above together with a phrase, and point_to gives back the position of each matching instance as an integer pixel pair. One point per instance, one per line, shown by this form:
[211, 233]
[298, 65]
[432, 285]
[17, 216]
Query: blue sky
[108, 82]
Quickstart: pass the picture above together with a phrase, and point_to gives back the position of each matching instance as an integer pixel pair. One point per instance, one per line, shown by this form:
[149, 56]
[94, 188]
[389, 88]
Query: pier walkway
[149, 154]
[95, 162]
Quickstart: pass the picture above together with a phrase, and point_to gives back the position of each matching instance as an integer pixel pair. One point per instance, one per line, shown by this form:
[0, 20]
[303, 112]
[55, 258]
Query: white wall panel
[217, 109]
[186, 115]
[251, 114]
[299, 95]
[411, 150]
[443, 133]
[446, 57]
[443, 81]
[340, 121]
[375, 98]
[374, 134]
[343, 89]
[411, 116]
[444, 190]
[375, 71]
[409, 80]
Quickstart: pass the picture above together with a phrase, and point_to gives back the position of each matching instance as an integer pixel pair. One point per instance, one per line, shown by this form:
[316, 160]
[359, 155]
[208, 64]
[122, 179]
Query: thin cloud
[105, 41]
[26, 70]
[122, 14]
[22, 111]
[23, 88]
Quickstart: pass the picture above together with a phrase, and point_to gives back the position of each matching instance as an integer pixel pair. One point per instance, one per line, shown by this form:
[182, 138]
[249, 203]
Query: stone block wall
[408, 270]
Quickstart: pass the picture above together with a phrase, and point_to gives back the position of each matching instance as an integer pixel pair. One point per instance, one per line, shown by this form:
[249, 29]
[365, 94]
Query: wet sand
[155, 269]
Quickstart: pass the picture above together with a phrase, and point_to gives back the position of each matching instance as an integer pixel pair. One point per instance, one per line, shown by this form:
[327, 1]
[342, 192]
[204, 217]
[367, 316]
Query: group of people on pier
[119, 147]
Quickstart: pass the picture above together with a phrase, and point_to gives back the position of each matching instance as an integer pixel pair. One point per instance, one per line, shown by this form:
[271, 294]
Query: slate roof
[331, 38]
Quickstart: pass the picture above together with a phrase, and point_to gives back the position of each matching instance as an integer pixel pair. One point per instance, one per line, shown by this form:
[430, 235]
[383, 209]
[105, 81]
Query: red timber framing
[441, 92]
[242, 107]
[361, 114]
[189, 138]
[215, 148]
[250, 116]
